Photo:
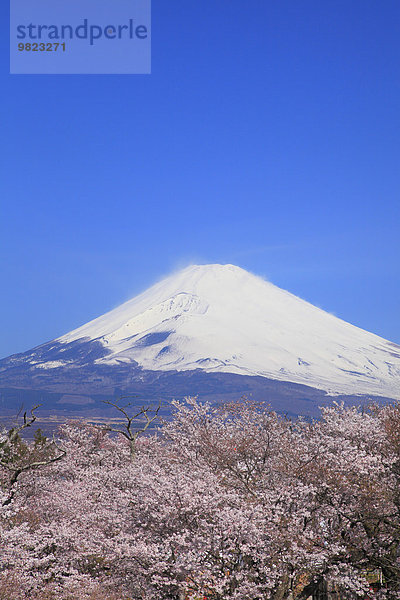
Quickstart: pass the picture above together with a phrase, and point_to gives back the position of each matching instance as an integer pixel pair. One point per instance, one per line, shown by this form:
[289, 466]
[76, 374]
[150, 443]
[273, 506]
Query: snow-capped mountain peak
[221, 318]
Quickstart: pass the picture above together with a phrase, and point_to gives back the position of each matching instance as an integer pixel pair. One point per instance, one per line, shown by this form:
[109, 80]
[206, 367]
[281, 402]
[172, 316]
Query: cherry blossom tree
[232, 502]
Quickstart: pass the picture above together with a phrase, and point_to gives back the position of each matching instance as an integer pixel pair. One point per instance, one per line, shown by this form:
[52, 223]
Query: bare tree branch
[130, 432]
[15, 431]
[14, 464]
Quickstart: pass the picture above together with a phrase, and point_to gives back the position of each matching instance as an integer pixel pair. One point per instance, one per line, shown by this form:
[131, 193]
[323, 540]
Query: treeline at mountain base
[222, 503]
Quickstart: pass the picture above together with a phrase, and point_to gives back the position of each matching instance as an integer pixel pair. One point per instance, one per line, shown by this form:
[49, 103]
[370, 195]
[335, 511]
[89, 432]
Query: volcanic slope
[223, 319]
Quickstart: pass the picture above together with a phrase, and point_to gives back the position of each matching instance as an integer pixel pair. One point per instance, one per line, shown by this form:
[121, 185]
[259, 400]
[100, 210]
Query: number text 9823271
[42, 47]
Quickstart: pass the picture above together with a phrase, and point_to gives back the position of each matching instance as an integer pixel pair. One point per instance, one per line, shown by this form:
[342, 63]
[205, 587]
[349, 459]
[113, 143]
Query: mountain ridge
[214, 319]
[204, 316]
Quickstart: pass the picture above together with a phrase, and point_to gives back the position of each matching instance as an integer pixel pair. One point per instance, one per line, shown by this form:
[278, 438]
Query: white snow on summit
[222, 318]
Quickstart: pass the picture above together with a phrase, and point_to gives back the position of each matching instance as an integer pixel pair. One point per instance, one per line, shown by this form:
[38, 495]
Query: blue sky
[267, 136]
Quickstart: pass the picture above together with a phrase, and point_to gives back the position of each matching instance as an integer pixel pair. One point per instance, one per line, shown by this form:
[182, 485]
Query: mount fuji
[217, 331]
